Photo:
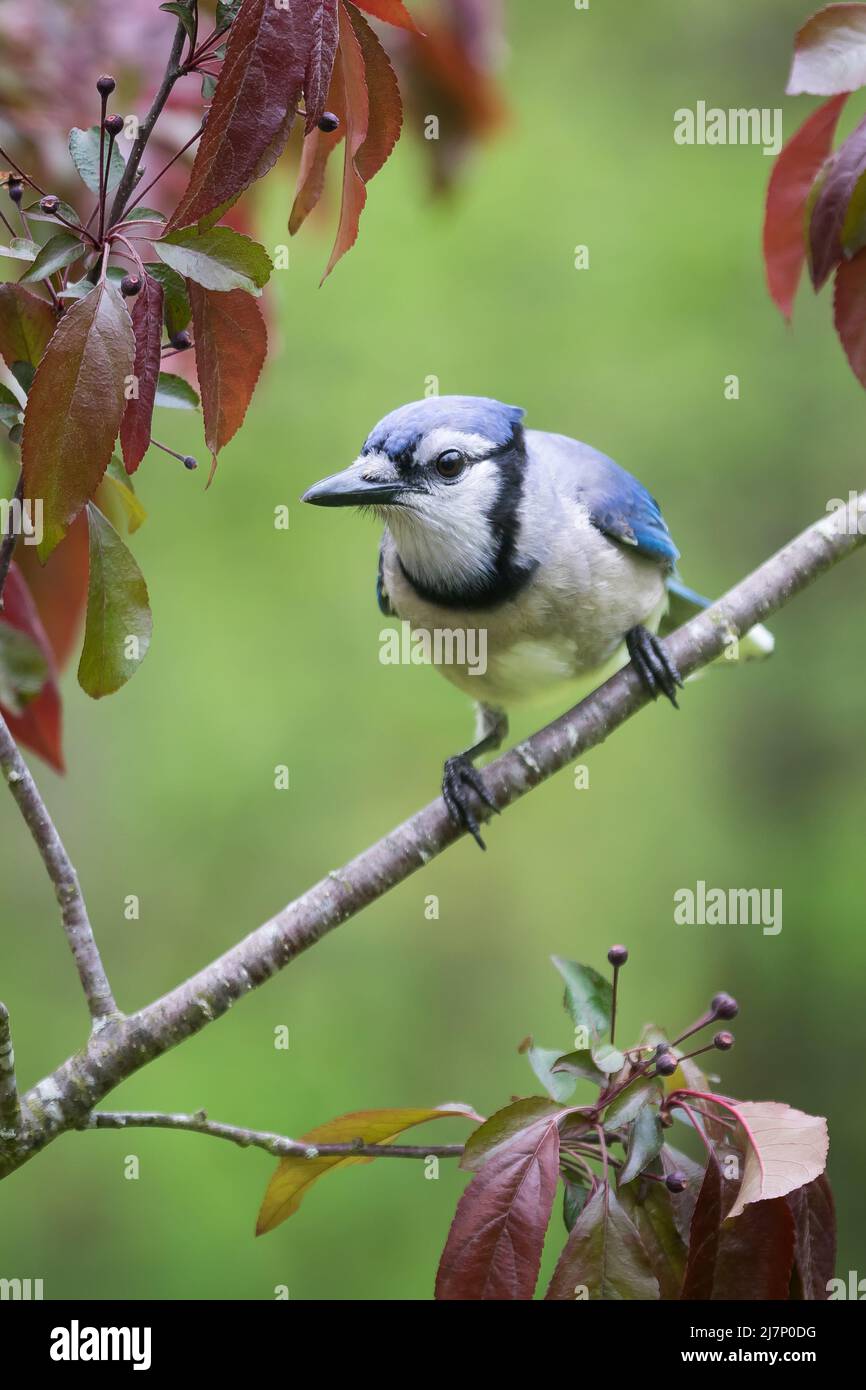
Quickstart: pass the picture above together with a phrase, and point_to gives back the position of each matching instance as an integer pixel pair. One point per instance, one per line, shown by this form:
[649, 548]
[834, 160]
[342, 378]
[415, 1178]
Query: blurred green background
[266, 652]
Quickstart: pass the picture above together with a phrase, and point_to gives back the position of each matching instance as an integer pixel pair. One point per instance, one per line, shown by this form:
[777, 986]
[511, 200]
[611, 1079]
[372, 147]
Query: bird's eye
[450, 464]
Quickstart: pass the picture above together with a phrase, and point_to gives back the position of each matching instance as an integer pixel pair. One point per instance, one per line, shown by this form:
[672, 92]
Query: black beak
[351, 489]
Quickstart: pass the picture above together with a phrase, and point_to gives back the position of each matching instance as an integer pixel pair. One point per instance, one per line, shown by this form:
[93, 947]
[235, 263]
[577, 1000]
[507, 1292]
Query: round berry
[724, 1006]
[723, 1041]
[666, 1064]
[181, 339]
[129, 285]
[16, 190]
[50, 203]
[676, 1181]
[328, 122]
[114, 124]
[105, 85]
[190, 462]
[618, 955]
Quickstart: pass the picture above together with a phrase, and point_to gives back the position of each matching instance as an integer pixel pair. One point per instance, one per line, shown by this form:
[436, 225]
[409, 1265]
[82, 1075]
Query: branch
[10, 1114]
[277, 1144]
[64, 1099]
[173, 71]
[73, 912]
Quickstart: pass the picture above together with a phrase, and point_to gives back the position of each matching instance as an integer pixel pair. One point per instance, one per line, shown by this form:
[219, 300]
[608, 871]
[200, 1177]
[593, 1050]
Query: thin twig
[121, 1049]
[277, 1144]
[156, 178]
[10, 1112]
[172, 72]
[76, 923]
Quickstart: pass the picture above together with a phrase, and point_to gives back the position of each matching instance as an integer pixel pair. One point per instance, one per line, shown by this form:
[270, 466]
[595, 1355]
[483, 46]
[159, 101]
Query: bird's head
[445, 475]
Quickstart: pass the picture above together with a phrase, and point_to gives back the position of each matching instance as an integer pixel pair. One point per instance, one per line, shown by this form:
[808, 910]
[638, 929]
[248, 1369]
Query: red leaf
[231, 344]
[26, 325]
[391, 11]
[147, 327]
[814, 1216]
[749, 1257]
[372, 126]
[830, 52]
[791, 181]
[849, 312]
[320, 61]
[59, 588]
[494, 1246]
[39, 726]
[317, 149]
[256, 97]
[75, 407]
[831, 205]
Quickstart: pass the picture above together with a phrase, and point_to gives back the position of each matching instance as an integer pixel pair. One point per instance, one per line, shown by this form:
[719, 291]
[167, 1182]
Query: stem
[613, 1004]
[183, 149]
[277, 1144]
[10, 540]
[6, 223]
[7, 159]
[702, 1022]
[103, 176]
[172, 72]
[124, 1046]
[10, 1110]
[73, 911]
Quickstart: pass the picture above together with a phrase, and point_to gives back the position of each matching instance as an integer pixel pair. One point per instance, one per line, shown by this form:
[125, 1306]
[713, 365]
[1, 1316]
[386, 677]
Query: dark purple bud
[130, 284]
[105, 85]
[724, 1006]
[676, 1181]
[618, 955]
[666, 1064]
[723, 1041]
[328, 122]
[114, 125]
[50, 203]
[16, 190]
[181, 340]
[190, 462]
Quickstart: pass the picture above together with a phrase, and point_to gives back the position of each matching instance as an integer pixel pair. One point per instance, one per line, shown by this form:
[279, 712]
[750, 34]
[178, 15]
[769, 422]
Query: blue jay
[546, 546]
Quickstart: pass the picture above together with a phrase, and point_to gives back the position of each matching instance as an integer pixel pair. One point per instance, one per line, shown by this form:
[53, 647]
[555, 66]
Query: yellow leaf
[294, 1176]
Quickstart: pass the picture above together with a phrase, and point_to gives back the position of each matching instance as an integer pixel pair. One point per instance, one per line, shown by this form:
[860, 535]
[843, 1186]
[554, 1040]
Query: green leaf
[10, 408]
[541, 1059]
[588, 997]
[35, 213]
[218, 259]
[653, 1212]
[645, 1140]
[604, 1257]
[184, 14]
[21, 248]
[23, 669]
[226, 11]
[27, 322]
[608, 1058]
[573, 1201]
[176, 310]
[119, 623]
[24, 372]
[503, 1128]
[115, 497]
[175, 393]
[580, 1064]
[78, 289]
[142, 214]
[84, 149]
[60, 251]
[626, 1106]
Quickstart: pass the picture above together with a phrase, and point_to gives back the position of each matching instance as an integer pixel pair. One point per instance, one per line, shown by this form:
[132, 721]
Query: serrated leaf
[573, 1201]
[295, 1176]
[588, 997]
[785, 1150]
[175, 393]
[608, 1058]
[813, 1210]
[26, 325]
[541, 1059]
[75, 407]
[65, 210]
[219, 259]
[147, 327]
[849, 312]
[501, 1128]
[830, 52]
[143, 214]
[176, 309]
[61, 250]
[653, 1212]
[84, 151]
[116, 499]
[390, 12]
[320, 61]
[626, 1106]
[580, 1064]
[119, 624]
[645, 1139]
[791, 182]
[184, 14]
[10, 408]
[748, 1258]
[604, 1255]
[493, 1250]
[231, 344]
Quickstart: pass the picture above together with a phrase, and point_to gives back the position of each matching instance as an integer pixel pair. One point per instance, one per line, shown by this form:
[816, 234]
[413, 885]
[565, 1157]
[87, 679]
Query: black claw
[657, 671]
[459, 774]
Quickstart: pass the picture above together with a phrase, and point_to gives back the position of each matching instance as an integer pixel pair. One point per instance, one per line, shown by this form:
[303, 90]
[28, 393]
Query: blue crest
[398, 433]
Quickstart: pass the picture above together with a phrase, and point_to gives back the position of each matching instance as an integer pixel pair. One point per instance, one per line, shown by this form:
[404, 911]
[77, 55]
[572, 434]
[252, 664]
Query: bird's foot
[657, 671]
[458, 775]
